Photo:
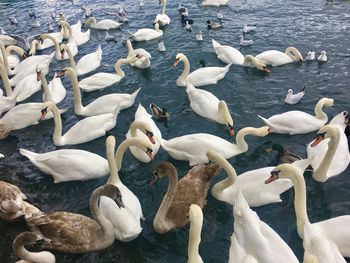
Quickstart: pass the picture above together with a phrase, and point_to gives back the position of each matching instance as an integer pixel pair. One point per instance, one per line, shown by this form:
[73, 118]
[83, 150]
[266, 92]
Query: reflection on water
[308, 25]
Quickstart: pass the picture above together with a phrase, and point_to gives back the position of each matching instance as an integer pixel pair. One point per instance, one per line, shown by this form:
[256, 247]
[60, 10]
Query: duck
[9, 101]
[193, 147]
[207, 105]
[199, 77]
[245, 42]
[336, 229]
[143, 57]
[73, 47]
[250, 183]
[87, 63]
[126, 223]
[191, 189]
[195, 215]
[283, 155]
[162, 19]
[144, 127]
[277, 58]
[146, 34]
[299, 122]
[30, 238]
[214, 25]
[54, 91]
[248, 28]
[159, 114]
[317, 248]
[103, 104]
[332, 157]
[85, 130]
[238, 253]
[310, 56]
[13, 204]
[228, 54]
[322, 57]
[105, 24]
[215, 2]
[102, 80]
[255, 236]
[67, 165]
[294, 98]
[75, 233]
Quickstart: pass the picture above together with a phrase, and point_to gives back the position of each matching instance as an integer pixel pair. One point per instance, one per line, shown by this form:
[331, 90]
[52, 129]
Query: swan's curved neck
[135, 126]
[130, 48]
[224, 113]
[4, 57]
[240, 139]
[319, 110]
[71, 59]
[33, 47]
[118, 65]
[16, 49]
[47, 93]
[186, 70]
[218, 188]
[5, 80]
[164, 7]
[57, 134]
[251, 60]
[321, 173]
[29, 256]
[167, 199]
[299, 199]
[114, 176]
[194, 239]
[78, 106]
[66, 26]
[123, 147]
[57, 47]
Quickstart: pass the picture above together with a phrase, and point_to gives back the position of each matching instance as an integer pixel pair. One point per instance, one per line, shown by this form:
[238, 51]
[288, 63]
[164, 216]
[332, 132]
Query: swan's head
[63, 48]
[283, 171]
[290, 91]
[323, 53]
[164, 169]
[195, 213]
[341, 119]
[251, 60]
[47, 106]
[112, 192]
[90, 20]
[40, 69]
[179, 57]
[295, 53]
[226, 116]
[144, 127]
[326, 131]
[326, 102]
[260, 132]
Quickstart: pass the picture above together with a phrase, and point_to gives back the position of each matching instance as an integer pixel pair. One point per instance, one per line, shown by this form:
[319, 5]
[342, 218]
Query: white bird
[105, 24]
[35, 23]
[141, 3]
[181, 8]
[13, 20]
[310, 56]
[161, 46]
[219, 15]
[247, 28]
[199, 36]
[322, 57]
[294, 98]
[245, 42]
[188, 27]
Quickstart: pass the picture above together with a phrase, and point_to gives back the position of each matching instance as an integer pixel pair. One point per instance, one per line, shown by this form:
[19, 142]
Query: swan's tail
[30, 155]
[240, 204]
[189, 87]
[227, 68]
[215, 44]
[134, 95]
[99, 52]
[266, 121]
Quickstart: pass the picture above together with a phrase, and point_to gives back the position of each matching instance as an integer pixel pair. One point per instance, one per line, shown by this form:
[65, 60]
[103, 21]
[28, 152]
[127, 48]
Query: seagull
[13, 20]
[181, 8]
[185, 13]
[31, 14]
[141, 3]
[35, 23]
[247, 28]
[109, 37]
[219, 15]
[199, 36]
[322, 57]
[188, 27]
[161, 46]
[294, 98]
[310, 55]
[245, 42]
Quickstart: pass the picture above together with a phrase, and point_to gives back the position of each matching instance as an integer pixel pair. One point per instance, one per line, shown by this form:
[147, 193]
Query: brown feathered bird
[191, 189]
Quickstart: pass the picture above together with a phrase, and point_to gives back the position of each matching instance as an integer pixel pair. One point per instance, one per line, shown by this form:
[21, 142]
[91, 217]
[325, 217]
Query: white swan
[193, 147]
[162, 19]
[105, 24]
[332, 157]
[232, 55]
[87, 63]
[79, 36]
[13, 60]
[318, 248]
[46, 43]
[68, 164]
[85, 130]
[200, 77]
[299, 122]
[257, 238]
[73, 47]
[9, 101]
[126, 223]
[146, 34]
[336, 229]
[207, 105]
[215, 2]
[143, 57]
[102, 80]
[148, 129]
[251, 183]
[54, 91]
[103, 104]
[194, 239]
[29, 238]
[277, 58]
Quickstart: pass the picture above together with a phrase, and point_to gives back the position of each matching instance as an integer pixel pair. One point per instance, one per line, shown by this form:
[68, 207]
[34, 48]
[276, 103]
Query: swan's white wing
[207, 75]
[204, 103]
[274, 58]
[56, 89]
[98, 81]
[89, 62]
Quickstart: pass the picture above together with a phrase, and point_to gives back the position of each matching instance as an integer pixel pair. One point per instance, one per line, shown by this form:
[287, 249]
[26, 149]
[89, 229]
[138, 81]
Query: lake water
[308, 25]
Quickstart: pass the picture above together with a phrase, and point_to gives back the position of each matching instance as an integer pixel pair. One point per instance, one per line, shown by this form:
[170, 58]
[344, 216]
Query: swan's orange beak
[150, 137]
[62, 54]
[267, 69]
[38, 75]
[231, 130]
[273, 177]
[319, 138]
[149, 152]
[43, 114]
[176, 62]
[60, 74]
[269, 130]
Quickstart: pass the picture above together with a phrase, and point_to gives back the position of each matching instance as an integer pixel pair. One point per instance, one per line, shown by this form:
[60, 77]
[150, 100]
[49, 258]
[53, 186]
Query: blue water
[308, 25]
